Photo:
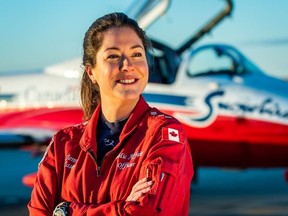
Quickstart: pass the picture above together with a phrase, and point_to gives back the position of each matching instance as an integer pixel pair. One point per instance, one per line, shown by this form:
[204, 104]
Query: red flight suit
[150, 142]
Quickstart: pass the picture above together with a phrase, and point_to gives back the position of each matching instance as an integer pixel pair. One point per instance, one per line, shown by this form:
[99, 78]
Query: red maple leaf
[173, 134]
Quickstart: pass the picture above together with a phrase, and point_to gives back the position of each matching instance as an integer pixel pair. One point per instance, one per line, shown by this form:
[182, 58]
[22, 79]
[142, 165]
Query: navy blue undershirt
[107, 136]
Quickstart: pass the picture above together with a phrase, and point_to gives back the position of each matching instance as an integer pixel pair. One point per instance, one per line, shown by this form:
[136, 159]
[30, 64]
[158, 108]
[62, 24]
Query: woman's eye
[113, 56]
[137, 54]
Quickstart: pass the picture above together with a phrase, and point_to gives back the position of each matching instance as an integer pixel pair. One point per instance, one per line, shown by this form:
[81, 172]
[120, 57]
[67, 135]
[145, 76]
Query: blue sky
[38, 33]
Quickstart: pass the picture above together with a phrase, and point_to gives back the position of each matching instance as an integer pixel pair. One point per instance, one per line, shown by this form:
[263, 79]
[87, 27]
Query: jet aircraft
[234, 114]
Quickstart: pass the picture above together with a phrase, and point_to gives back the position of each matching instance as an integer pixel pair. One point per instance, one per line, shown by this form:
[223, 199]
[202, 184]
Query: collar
[88, 139]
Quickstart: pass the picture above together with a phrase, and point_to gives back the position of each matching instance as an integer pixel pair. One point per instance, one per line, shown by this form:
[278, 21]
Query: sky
[38, 33]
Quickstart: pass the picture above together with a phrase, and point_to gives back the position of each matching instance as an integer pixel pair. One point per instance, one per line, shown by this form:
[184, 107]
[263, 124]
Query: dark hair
[90, 96]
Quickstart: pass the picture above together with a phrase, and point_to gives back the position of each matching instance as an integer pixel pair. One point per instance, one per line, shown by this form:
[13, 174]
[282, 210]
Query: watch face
[59, 212]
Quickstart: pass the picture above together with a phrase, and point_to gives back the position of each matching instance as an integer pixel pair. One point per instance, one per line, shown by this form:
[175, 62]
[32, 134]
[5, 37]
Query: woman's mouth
[127, 81]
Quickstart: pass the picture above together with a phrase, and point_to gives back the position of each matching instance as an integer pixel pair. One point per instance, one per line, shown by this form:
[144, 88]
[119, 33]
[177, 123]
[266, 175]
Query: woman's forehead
[117, 36]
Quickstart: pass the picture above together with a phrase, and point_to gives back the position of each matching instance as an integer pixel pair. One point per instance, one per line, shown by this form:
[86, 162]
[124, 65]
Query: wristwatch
[61, 209]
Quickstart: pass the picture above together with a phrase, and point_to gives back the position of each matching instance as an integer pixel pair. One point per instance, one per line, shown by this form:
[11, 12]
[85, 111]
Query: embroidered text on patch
[127, 160]
[70, 162]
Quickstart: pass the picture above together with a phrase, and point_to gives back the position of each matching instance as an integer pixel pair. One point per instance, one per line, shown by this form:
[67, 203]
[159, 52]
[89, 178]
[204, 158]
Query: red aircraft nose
[29, 179]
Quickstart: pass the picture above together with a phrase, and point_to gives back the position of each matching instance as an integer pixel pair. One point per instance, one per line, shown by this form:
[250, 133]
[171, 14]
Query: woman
[127, 158]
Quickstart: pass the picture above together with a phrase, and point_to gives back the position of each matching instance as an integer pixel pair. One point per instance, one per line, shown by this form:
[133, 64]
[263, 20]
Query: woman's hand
[139, 189]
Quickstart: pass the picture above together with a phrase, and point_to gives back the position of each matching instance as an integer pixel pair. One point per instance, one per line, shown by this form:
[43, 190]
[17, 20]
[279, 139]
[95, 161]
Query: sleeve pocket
[157, 170]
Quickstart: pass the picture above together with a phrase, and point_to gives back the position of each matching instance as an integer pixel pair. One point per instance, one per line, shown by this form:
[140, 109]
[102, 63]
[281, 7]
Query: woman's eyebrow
[111, 48]
[117, 48]
[137, 46]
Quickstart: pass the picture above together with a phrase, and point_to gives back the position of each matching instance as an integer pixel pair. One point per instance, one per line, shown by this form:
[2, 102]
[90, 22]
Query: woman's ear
[89, 72]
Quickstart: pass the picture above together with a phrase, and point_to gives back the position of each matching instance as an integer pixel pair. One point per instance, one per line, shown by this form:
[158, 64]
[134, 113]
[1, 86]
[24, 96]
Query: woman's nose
[126, 64]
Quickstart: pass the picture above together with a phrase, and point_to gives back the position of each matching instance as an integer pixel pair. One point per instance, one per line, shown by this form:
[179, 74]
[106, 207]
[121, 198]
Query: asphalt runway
[238, 193]
[217, 192]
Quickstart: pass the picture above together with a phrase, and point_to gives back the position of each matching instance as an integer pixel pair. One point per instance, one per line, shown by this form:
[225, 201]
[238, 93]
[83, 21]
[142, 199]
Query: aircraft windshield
[219, 59]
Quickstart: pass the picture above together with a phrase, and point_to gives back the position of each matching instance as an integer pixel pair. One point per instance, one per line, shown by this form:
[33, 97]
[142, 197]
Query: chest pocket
[158, 169]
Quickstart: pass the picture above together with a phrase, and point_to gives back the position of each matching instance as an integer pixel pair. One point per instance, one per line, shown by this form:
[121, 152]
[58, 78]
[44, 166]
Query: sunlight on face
[121, 69]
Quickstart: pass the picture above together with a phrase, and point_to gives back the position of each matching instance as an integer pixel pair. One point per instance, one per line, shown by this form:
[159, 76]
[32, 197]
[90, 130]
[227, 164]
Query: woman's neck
[115, 112]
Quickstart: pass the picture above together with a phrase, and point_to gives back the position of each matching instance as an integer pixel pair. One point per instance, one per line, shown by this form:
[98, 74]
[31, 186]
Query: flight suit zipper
[90, 152]
[98, 168]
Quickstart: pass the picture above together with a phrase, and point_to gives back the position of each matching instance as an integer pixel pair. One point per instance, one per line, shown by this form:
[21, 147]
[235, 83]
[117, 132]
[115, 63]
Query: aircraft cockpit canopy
[219, 59]
[164, 63]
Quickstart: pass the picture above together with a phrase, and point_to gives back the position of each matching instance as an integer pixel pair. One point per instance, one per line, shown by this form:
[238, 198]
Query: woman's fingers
[142, 184]
[139, 189]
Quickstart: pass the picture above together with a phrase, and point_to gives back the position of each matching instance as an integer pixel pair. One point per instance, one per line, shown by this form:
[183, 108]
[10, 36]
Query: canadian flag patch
[172, 134]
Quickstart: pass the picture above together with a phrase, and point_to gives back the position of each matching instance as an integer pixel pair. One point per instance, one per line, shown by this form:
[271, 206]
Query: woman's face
[121, 69]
